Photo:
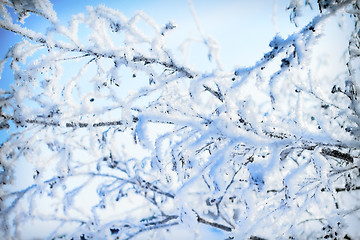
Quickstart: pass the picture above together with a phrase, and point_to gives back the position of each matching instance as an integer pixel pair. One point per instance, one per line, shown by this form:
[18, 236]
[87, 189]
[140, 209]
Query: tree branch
[214, 224]
[347, 189]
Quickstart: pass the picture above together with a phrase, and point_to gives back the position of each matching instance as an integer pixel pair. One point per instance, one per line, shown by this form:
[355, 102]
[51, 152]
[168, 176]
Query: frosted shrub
[124, 141]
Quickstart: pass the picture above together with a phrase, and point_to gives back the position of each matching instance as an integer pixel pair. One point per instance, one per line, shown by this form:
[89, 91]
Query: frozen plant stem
[232, 151]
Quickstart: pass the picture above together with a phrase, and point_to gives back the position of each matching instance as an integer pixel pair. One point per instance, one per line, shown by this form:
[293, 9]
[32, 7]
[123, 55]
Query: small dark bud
[334, 90]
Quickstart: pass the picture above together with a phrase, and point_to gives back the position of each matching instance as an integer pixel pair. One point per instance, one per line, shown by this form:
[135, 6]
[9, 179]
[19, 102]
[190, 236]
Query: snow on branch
[123, 140]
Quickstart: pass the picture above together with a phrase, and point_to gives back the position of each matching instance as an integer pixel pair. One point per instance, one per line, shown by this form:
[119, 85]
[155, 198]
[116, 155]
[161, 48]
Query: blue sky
[242, 29]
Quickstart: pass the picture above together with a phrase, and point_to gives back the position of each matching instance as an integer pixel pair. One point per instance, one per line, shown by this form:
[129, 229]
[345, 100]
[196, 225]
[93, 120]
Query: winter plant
[270, 150]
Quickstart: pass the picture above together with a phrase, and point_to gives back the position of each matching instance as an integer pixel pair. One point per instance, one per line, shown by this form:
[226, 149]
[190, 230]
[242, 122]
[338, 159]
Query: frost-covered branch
[123, 140]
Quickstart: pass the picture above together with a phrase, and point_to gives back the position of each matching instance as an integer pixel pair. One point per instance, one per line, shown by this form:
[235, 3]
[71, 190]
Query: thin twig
[214, 224]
